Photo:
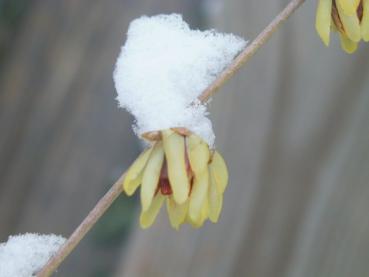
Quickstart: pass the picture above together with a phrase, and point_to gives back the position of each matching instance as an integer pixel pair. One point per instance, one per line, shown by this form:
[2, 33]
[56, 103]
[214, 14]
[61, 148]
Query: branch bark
[250, 50]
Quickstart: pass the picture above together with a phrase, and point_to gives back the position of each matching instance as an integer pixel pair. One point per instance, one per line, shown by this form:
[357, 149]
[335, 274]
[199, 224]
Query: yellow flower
[178, 168]
[350, 18]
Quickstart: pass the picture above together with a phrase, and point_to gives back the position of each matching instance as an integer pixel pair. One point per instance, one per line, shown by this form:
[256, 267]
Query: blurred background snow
[293, 126]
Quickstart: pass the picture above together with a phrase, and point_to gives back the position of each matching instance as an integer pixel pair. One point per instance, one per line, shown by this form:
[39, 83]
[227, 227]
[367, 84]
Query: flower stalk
[105, 202]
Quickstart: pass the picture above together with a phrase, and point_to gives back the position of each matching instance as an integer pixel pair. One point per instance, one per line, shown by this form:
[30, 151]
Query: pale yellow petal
[219, 170]
[333, 27]
[199, 194]
[147, 218]
[215, 199]
[204, 212]
[198, 153]
[194, 224]
[151, 175]
[174, 147]
[200, 221]
[348, 45]
[349, 7]
[134, 174]
[323, 20]
[365, 21]
[176, 212]
[351, 24]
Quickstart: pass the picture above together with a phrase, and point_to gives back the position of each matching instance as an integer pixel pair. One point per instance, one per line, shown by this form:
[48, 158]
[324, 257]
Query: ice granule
[23, 255]
[164, 66]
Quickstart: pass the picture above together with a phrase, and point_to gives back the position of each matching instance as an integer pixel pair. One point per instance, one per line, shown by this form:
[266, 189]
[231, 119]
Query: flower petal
[199, 194]
[348, 45]
[219, 170]
[349, 7]
[323, 20]
[365, 21]
[177, 213]
[204, 212]
[351, 24]
[174, 147]
[151, 175]
[215, 198]
[147, 218]
[204, 215]
[134, 174]
[198, 153]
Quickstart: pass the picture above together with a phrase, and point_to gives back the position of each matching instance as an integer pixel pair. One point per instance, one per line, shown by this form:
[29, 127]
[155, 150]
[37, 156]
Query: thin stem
[250, 50]
[106, 201]
[86, 225]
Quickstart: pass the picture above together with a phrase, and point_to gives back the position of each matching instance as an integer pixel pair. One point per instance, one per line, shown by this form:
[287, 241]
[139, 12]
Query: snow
[23, 255]
[164, 66]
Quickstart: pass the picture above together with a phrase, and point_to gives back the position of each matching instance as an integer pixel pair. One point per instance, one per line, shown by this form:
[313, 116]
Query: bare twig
[86, 225]
[250, 50]
[106, 201]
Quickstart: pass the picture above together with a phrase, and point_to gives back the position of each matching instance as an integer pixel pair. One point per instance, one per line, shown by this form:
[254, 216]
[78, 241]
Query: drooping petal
[176, 212]
[151, 175]
[351, 24]
[198, 153]
[204, 215]
[349, 7]
[220, 171]
[204, 212]
[365, 21]
[199, 194]
[174, 147]
[348, 45]
[323, 20]
[215, 198]
[134, 174]
[192, 222]
[147, 218]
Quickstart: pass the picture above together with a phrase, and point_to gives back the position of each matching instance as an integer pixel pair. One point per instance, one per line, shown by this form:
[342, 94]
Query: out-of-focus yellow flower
[349, 17]
[178, 168]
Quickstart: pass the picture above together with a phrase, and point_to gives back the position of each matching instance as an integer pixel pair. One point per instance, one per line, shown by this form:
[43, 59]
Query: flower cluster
[350, 18]
[180, 168]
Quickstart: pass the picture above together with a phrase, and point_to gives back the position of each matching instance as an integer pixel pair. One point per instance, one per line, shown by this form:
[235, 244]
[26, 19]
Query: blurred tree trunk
[293, 126]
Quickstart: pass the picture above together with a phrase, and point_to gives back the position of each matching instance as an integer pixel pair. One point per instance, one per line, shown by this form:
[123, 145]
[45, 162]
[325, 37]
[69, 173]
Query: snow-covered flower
[350, 18]
[181, 169]
[161, 71]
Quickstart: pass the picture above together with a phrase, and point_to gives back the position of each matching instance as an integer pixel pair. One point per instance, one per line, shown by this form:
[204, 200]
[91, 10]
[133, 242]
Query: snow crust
[23, 255]
[164, 66]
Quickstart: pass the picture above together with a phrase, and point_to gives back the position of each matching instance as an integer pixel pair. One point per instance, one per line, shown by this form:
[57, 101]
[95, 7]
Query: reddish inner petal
[336, 18]
[165, 187]
[360, 11]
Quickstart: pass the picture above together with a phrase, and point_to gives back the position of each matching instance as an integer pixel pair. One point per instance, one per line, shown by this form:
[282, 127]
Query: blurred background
[292, 125]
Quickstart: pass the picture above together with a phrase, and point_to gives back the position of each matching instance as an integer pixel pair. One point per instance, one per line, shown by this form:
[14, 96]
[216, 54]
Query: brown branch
[105, 202]
[86, 225]
[250, 50]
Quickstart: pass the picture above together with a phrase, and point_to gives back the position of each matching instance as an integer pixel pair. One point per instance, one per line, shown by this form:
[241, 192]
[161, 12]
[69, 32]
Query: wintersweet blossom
[181, 169]
[350, 18]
